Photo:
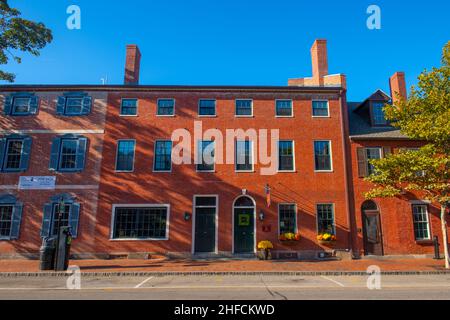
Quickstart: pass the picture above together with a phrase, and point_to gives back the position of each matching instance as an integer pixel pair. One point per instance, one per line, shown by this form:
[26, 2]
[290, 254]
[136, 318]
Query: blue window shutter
[60, 106]
[54, 156]
[26, 150]
[74, 217]
[46, 220]
[16, 220]
[87, 105]
[2, 152]
[81, 153]
[8, 105]
[34, 104]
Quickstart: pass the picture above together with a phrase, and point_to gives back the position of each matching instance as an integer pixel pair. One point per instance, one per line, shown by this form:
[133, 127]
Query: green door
[244, 230]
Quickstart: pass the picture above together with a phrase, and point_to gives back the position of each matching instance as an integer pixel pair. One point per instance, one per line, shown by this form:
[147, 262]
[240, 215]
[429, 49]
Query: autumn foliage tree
[425, 116]
[18, 34]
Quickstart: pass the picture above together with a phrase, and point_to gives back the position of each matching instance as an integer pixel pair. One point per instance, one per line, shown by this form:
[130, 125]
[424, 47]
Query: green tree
[424, 116]
[17, 34]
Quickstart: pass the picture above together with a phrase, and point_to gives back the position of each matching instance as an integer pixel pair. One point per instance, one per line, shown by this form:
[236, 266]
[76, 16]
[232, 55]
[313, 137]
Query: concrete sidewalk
[163, 265]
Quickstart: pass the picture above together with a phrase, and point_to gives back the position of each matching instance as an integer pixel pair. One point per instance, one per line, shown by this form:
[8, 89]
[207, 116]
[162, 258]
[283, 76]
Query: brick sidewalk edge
[218, 273]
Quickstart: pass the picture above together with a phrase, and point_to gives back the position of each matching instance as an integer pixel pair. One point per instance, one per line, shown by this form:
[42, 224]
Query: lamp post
[61, 207]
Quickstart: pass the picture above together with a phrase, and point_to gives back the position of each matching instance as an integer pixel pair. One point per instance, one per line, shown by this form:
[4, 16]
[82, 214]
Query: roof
[315, 89]
[361, 128]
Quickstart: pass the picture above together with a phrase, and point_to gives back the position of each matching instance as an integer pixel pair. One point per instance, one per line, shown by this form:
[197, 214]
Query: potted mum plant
[289, 237]
[264, 250]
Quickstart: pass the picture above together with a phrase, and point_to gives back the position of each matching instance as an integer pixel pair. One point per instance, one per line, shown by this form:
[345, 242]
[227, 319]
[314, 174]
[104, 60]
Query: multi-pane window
[244, 156]
[6, 212]
[74, 105]
[21, 105]
[141, 223]
[285, 155]
[244, 107]
[284, 108]
[205, 156]
[325, 219]
[128, 107]
[59, 219]
[320, 108]
[379, 118]
[207, 108]
[322, 155]
[287, 214]
[166, 107]
[125, 155]
[163, 155]
[421, 223]
[372, 153]
[13, 154]
[68, 155]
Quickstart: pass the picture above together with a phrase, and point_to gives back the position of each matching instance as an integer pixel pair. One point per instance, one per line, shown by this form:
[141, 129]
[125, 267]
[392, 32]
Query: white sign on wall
[37, 183]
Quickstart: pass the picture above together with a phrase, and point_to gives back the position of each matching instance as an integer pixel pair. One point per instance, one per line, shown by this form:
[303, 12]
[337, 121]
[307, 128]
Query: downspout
[348, 180]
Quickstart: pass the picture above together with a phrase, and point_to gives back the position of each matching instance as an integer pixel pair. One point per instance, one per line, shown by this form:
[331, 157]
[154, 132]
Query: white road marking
[143, 282]
[334, 281]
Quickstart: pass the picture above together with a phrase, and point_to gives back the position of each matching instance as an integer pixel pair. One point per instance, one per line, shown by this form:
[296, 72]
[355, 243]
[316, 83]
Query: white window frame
[207, 115]
[386, 122]
[296, 216]
[235, 108]
[292, 106]
[320, 100]
[13, 106]
[166, 115]
[149, 205]
[117, 154]
[293, 156]
[333, 206]
[331, 156]
[154, 157]
[194, 206]
[129, 115]
[422, 204]
[252, 154]
[198, 150]
[67, 102]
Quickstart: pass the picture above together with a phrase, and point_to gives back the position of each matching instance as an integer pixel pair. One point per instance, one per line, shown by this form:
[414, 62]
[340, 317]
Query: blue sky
[235, 42]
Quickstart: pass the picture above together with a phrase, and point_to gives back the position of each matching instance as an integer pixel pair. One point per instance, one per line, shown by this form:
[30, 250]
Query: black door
[373, 239]
[244, 230]
[205, 230]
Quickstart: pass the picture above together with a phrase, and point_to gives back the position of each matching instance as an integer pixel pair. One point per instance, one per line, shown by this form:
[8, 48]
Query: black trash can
[47, 254]
[63, 250]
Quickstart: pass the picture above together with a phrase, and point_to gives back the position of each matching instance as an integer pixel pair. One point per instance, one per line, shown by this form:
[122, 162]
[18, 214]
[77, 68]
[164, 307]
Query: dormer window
[378, 117]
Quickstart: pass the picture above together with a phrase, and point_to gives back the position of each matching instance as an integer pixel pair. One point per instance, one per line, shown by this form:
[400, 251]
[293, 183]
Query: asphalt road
[430, 287]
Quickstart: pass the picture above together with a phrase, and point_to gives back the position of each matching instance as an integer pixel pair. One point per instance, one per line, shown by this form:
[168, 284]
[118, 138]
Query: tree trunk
[445, 236]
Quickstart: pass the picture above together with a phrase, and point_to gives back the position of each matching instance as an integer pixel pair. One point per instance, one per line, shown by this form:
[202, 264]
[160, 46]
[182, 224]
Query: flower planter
[264, 254]
[327, 243]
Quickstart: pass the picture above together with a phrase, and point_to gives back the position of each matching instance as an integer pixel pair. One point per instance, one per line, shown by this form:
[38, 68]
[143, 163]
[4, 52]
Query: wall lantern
[187, 216]
[261, 215]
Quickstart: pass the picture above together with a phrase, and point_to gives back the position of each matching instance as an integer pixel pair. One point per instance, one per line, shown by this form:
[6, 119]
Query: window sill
[245, 171]
[165, 171]
[143, 239]
[128, 115]
[284, 116]
[207, 116]
[165, 115]
[123, 171]
[321, 117]
[424, 242]
[323, 171]
[287, 171]
[251, 116]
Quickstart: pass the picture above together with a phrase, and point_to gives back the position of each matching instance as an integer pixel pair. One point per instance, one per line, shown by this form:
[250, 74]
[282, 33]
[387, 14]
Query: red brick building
[106, 152]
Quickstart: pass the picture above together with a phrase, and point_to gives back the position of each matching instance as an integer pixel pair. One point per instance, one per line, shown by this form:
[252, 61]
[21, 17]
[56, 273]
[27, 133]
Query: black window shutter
[34, 104]
[26, 151]
[16, 220]
[74, 218]
[8, 105]
[362, 162]
[46, 220]
[2, 152]
[87, 105]
[60, 106]
[54, 155]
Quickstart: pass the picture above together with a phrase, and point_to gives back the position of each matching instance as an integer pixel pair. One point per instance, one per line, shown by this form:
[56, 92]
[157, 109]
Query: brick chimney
[398, 87]
[319, 58]
[132, 65]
